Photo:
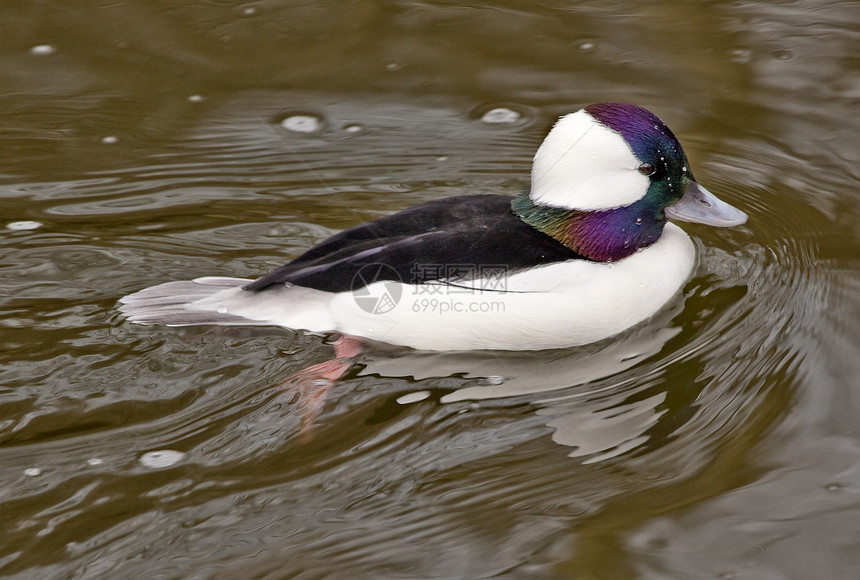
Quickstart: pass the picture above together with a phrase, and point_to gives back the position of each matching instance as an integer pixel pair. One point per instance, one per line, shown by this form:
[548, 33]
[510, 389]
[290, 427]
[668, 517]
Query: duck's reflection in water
[598, 417]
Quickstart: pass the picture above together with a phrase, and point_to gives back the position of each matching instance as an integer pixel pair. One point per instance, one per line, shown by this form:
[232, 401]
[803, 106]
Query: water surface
[144, 142]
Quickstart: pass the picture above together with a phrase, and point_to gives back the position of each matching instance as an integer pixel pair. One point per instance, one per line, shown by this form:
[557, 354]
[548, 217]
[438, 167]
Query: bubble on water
[23, 225]
[110, 139]
[493, 380]
[413, 397]
[32, 471]
[43, 50]
[353, 128]
[94, 461]
[196, 99]
[587, 45]
[303, 123]
[161, 458]
[500, 115]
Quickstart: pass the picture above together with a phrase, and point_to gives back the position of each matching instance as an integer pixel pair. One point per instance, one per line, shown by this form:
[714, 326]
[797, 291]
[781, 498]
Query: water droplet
[196, 99]
[586, 45]
[162, 458]
[23, 225]
[442, 158]
[94, 461]
[110, 139]
[353, 128]
[638, 221]
[306, 124]
[413, 397]
[32, 471]
[392, 66]
[43, 50]
[500, 115]
[249, 11]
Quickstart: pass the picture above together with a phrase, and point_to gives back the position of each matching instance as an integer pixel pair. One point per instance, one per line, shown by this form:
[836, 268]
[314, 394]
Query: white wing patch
[584, 165]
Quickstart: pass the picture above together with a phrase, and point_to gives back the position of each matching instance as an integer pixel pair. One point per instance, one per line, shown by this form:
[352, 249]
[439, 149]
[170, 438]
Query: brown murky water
[143, 142]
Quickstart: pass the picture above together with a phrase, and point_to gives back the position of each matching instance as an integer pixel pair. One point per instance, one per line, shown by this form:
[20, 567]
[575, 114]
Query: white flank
[583, 164]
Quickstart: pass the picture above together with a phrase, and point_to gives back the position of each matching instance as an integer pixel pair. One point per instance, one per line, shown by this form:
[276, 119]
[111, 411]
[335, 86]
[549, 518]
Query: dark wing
[445, 239]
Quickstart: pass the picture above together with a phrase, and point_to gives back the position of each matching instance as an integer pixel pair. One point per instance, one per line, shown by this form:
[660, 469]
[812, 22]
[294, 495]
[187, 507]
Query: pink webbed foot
[311, 385]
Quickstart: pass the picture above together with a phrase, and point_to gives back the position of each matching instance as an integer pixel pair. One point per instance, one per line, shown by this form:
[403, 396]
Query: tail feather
[172, 303]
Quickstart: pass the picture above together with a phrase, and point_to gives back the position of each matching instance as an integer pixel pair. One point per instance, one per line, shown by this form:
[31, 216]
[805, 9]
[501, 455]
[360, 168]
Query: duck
[587, 251]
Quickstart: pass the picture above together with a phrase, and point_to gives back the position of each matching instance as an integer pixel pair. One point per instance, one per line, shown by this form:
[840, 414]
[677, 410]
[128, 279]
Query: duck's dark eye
[647, 169]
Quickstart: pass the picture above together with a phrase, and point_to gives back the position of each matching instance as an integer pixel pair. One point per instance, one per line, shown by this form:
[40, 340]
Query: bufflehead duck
[584, 254]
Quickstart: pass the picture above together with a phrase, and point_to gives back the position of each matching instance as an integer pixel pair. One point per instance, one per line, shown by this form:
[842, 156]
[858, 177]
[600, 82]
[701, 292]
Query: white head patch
[583, 164]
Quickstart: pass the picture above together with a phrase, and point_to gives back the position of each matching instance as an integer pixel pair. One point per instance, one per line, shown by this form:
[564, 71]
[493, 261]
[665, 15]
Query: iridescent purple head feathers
[638, 126]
